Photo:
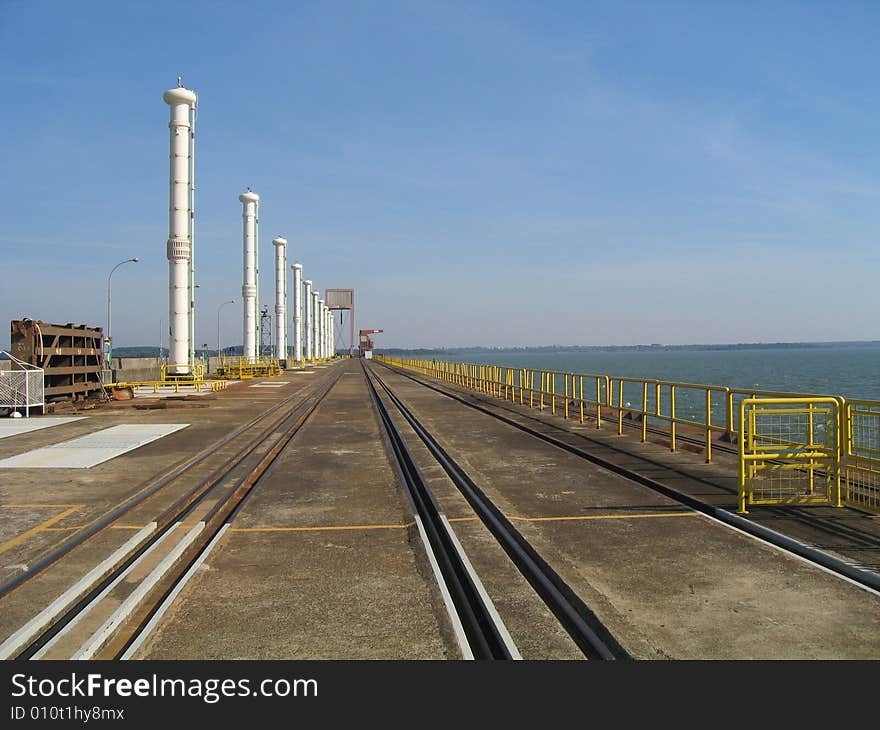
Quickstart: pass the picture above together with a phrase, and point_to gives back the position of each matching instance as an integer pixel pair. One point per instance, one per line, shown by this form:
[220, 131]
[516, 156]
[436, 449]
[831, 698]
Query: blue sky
[495, 173]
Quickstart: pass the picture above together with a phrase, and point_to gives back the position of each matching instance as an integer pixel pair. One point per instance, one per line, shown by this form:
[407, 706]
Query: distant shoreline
[631, 348]
[550, 349]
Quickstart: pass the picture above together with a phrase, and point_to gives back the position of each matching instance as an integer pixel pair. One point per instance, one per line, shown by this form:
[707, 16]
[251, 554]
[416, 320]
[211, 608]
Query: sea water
[852, 371]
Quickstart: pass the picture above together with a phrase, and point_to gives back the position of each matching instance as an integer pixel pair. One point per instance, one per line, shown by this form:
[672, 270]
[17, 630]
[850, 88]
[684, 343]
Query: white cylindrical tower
[322, 323]
[250, 202]
[297, 312]
[331, 347]
[327, 318]
[316, 351]
[280, 297]
[332, 336]
[309, 341]
[178, 249]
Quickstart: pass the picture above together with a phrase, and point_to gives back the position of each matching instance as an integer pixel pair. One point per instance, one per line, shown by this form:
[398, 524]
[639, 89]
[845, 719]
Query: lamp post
[192, 322]
[231, 301]
[109, 337]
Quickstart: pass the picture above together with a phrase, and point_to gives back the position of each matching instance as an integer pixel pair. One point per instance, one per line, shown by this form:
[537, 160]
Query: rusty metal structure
[70, 355]
[365, 342]
[342, 300]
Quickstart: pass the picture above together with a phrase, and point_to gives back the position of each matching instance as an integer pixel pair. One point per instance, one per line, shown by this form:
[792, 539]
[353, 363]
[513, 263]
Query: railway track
[90, 619]
[867, 579]
[481, 633]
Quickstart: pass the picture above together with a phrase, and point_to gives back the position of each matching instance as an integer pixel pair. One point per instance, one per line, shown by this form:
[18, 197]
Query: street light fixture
[231, 301]
[192, 322]
[109, 338]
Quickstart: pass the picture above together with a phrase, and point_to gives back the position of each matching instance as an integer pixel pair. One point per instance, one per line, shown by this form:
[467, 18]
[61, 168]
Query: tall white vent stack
[250, 217]
[309, 340]
[331, 346]
[297, 312]
[316, 345]
[280, 297]
[322, 322]
[179, 246]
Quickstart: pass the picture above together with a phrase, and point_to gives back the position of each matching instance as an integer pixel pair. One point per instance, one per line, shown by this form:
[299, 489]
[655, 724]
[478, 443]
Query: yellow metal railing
[861, 465]
[711, 413]
[194, 380]
[786, 445]
[159, 386]
[241, 368]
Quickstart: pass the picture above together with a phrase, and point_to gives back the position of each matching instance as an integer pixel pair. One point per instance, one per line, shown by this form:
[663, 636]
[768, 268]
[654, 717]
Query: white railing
[21, 387]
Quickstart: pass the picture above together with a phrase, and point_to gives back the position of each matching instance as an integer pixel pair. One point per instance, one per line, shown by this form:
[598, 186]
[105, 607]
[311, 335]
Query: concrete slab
[323, 562]
[15, 426]
[86, 451]
[668, 582]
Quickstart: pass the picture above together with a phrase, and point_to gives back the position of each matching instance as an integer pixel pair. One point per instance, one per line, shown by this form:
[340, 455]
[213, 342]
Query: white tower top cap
[249, 197]
[297, 266]
[279, 241]
[180, 96]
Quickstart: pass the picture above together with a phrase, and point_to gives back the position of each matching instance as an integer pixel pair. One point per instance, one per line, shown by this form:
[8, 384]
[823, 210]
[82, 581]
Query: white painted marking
[788, 552]
[496, 618]
[16, 426]
[457, 627]
[97, 599]
[97, 640]
[26, 633]
[305, 372]
[267, 385]
[169, 392]
[94, 448]
[169, 599]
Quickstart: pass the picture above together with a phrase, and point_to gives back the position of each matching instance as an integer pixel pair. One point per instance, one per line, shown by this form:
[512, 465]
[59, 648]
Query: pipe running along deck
[588, 632]
[230, 480]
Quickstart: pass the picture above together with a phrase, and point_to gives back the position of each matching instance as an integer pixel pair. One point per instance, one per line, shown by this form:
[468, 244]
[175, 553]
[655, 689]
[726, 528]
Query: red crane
[365, 342]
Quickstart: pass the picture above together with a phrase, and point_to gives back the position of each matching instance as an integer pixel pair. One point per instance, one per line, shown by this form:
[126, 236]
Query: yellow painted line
[9, 544]
[320, 528]
[603, 517]
[38, 506]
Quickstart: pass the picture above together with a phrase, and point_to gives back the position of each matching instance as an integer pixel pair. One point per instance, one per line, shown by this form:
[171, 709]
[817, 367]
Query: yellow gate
[862, 463]
[789, 451]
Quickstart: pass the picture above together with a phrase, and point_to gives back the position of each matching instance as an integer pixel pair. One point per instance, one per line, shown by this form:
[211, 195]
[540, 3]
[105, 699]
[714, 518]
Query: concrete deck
[323, 562]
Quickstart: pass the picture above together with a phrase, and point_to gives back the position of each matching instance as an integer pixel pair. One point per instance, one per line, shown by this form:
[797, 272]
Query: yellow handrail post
[708, 426]
[741, 502]
[672, 415]
[565, 410]
[644, 411]
[620, 407]
[730, 422]
[810, 435]
[581, 398]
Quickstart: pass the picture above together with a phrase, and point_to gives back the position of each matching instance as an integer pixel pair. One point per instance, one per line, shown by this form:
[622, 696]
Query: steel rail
[97, 526]
[237, 497]
[483, 635]
[58, 623]
[863, 538]
[585, 628]
[866, 578]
